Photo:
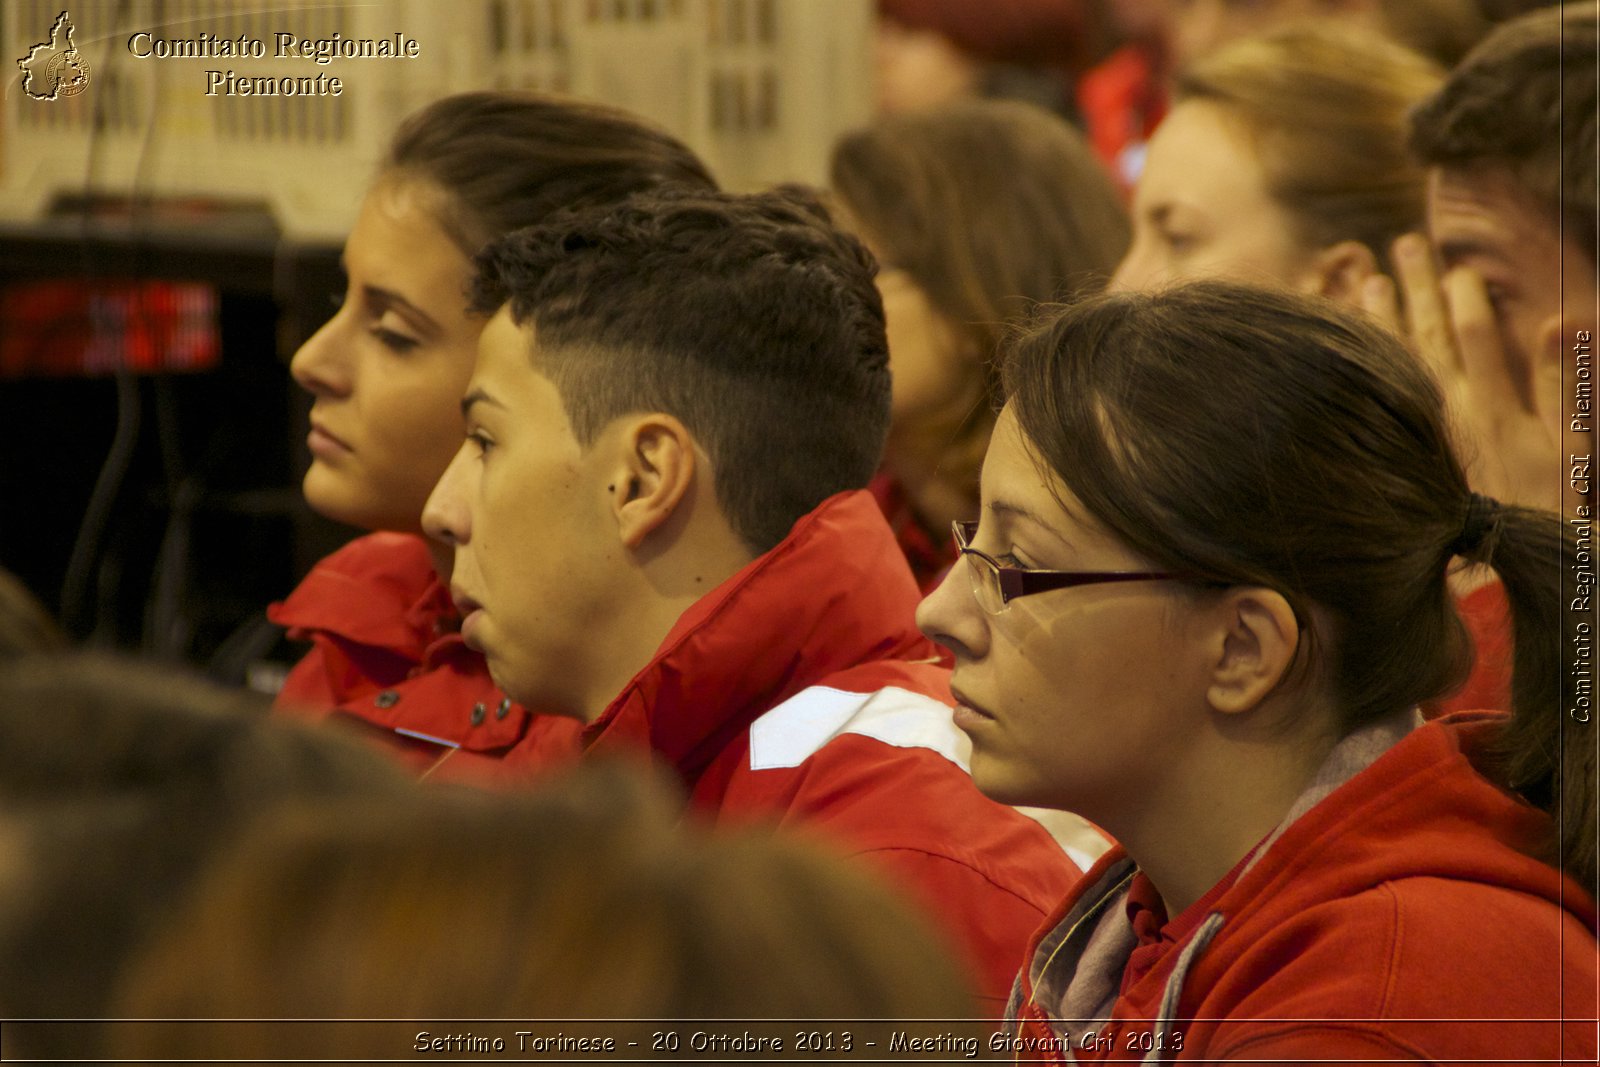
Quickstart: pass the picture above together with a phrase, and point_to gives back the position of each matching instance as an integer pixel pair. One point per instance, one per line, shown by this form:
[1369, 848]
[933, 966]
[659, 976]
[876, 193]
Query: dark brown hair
[118, 779]
[991, 207]
[1326, 107]
[1524, 101]
[504, 160]
[585, 899]
[749, 318]
[1442, 30]
[1332, 481]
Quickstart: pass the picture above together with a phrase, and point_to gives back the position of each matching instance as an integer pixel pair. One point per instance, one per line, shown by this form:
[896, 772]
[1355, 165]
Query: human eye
[394, 341]
[390, 333]
[481, 441]
[1177, 241]
[1498, 296]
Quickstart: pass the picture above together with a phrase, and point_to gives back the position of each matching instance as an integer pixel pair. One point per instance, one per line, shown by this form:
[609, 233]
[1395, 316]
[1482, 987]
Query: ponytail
[1547, 752]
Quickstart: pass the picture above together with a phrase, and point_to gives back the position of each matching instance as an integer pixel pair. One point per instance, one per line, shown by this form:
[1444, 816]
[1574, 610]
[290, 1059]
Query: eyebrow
[478, 396]
[376, 294]
[1006, 508]
[1454, 251]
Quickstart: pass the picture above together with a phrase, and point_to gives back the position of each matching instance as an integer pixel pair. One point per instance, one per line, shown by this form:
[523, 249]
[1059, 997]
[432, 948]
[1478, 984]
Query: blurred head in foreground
[586, 900]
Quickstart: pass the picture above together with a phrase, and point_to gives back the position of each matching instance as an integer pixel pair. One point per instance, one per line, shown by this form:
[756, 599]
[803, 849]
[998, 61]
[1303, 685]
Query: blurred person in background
[1125, 97]
[387, 373]
[1442, 30]
[586, 899]
[1283, 162]
[929, 53]
[1501, 302]
[1499, 297]
[118, 780]
[976, 212]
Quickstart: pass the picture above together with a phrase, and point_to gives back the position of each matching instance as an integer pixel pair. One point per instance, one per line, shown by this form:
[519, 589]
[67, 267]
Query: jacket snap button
[386, 699]
[504, 709]
[478, 712]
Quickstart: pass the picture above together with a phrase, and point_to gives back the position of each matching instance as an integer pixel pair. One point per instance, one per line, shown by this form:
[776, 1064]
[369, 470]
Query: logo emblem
[55, 68]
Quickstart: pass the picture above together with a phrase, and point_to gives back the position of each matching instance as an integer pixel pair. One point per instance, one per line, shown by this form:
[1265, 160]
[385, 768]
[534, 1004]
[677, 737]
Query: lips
[464, 603]
[470, 610]
[968, 712]
[325, 445]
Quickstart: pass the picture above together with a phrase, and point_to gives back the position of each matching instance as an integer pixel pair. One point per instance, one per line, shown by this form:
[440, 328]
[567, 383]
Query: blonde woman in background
[1284, 162]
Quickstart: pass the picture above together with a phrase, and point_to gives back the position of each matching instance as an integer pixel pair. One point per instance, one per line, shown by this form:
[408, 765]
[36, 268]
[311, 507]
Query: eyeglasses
[995, 586]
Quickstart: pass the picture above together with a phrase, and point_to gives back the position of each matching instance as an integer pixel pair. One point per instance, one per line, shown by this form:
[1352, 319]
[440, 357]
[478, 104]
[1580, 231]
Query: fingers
[1427, 319]
[1496, 380]
[1381, 300]
[1546, 393]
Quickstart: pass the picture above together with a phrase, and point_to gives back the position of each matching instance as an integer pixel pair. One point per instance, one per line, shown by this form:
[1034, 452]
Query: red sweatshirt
[1399, 916]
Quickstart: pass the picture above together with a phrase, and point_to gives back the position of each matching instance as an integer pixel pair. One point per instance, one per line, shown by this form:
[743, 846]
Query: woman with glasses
[1204, 597]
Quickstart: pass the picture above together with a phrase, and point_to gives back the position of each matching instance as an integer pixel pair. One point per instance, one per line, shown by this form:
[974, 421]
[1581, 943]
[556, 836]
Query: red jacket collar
[835, 593]
[1422, 809]
[379, 590]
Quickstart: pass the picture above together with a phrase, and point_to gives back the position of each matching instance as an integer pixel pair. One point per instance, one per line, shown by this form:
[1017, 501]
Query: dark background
[206, 526]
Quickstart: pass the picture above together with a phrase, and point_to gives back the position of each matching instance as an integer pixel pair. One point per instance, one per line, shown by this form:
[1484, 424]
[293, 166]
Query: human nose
[950, 615]
[1137, 272]
[446, 517]
[321, 366]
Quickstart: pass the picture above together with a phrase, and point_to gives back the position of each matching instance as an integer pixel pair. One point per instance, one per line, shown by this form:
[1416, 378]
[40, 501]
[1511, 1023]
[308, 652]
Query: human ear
[1260, 637]
[655, 471]
[1564, 340]
[1561, 334]
[1339, 271]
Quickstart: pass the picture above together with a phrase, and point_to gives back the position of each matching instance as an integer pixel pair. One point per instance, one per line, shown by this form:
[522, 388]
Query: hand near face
[1507, 412]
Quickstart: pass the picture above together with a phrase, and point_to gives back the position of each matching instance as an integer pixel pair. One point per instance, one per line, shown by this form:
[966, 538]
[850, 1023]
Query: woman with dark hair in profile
[976, 212]
[585, 899]
[1205, 595]
[118, 780]
[387, 373]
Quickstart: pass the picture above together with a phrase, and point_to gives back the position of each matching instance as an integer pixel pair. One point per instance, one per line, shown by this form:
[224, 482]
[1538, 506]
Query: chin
[330, 496]
[338, 512]
[1002, 788]
[504, 679]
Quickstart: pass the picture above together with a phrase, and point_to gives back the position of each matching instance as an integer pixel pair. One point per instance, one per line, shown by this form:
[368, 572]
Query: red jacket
[931, 556]
[799, 693]
[386, 653]
[1122, 101]
[1399, 918]
[1487, 617]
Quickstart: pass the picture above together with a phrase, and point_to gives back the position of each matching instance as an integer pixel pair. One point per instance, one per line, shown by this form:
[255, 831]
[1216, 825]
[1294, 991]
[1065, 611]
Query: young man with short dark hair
[660, 530]
[1509, 326]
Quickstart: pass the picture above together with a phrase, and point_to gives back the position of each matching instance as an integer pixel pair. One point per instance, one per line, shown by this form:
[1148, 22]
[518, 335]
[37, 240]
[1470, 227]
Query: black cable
[113, 472]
